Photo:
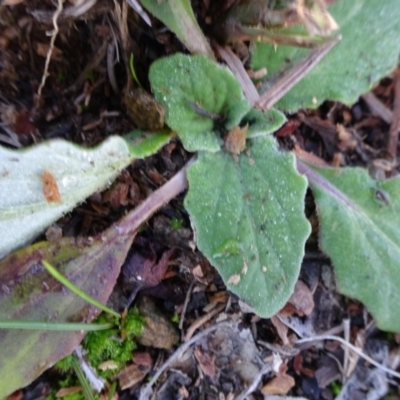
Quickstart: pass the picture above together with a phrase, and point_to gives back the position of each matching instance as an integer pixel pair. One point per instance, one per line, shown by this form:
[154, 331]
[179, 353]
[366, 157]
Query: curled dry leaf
[235, 140]
[131, 375]
[301, 301]
[279, 385]
[206, 361]
[50, 187]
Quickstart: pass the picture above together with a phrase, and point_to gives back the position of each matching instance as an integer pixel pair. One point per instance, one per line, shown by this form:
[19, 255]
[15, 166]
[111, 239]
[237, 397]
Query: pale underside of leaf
[78, 173]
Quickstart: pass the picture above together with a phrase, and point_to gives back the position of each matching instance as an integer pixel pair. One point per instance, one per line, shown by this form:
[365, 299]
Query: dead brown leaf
[66, 391]
[279, 385]
[50, 187]
[281, 329]
[43, 48]
[301, 301]
[235, 140]
[206, 362]
[131, 375]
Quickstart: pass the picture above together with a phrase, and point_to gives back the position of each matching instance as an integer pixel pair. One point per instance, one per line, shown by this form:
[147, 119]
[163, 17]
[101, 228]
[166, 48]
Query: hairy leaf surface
[249, 220]
[368, 51]
[360, 231]
[25, 208]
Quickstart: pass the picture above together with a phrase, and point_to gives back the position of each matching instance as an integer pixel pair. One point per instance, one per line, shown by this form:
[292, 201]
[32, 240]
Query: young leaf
[359, 222]
[368, 51]
[40, 184]
[178, 16]
[28, 292]
[249, 220]
[263, 123]
[200, 97]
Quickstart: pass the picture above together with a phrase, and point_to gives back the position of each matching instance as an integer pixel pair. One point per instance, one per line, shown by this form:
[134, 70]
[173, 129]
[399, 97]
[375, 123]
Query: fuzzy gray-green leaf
[360, 231]
[249, 220]
[200, 98]
[368, 51]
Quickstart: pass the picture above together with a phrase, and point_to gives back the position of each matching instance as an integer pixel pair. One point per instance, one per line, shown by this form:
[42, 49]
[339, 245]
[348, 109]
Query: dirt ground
[236, 354]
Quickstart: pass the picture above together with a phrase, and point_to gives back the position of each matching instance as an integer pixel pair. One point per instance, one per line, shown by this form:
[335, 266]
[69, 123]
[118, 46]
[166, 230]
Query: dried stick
[294, 75]
[395, 126]
[132, 222]
[283, 84]
[236, 66]
[202, 320]
[185, 304]
[267, 368]
[146, 392]
[352, 348]
[377, 107]
[53, 35]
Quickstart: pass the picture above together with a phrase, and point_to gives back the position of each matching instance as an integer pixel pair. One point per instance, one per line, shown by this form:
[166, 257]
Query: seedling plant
[245, 195]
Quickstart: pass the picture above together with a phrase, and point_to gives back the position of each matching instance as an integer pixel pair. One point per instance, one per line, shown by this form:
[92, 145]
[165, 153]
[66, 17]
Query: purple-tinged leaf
[28, 292]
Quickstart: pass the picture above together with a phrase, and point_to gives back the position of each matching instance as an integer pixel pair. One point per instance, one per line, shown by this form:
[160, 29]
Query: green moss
[176, 224]
[68, 381]
[65, 365]
[108, 344]
[133, 323]
[104, 345]
[175, 318]
[336, 388]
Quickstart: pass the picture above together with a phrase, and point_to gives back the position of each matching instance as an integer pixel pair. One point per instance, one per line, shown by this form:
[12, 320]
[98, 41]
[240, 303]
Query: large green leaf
[200, 98]
[78, 173]
[29, 293]
[249, 219]
[360, 231]
[368, 51]
[178, 16]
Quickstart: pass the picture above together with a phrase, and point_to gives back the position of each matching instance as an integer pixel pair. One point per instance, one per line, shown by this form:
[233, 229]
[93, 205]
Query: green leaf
[199, 96]
[249, 219]
[263, 123]
[359, 221]
[75, 289]
[368, 51]
[178, 16]
[52, 326]
[142, 145]
[78, 173]
[29, 293]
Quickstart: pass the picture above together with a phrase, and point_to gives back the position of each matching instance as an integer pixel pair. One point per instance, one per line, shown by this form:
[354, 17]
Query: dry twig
[294, 75]
[377, 107]
[352, 348]
[395, 126]
[146, 392]
[240, 73]
[202, 320]
[53, 35]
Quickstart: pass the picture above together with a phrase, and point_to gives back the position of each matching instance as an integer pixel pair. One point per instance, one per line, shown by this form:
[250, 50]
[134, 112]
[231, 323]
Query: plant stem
[63, 280]
[395, 126]
[294, 75]
[132, 222]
